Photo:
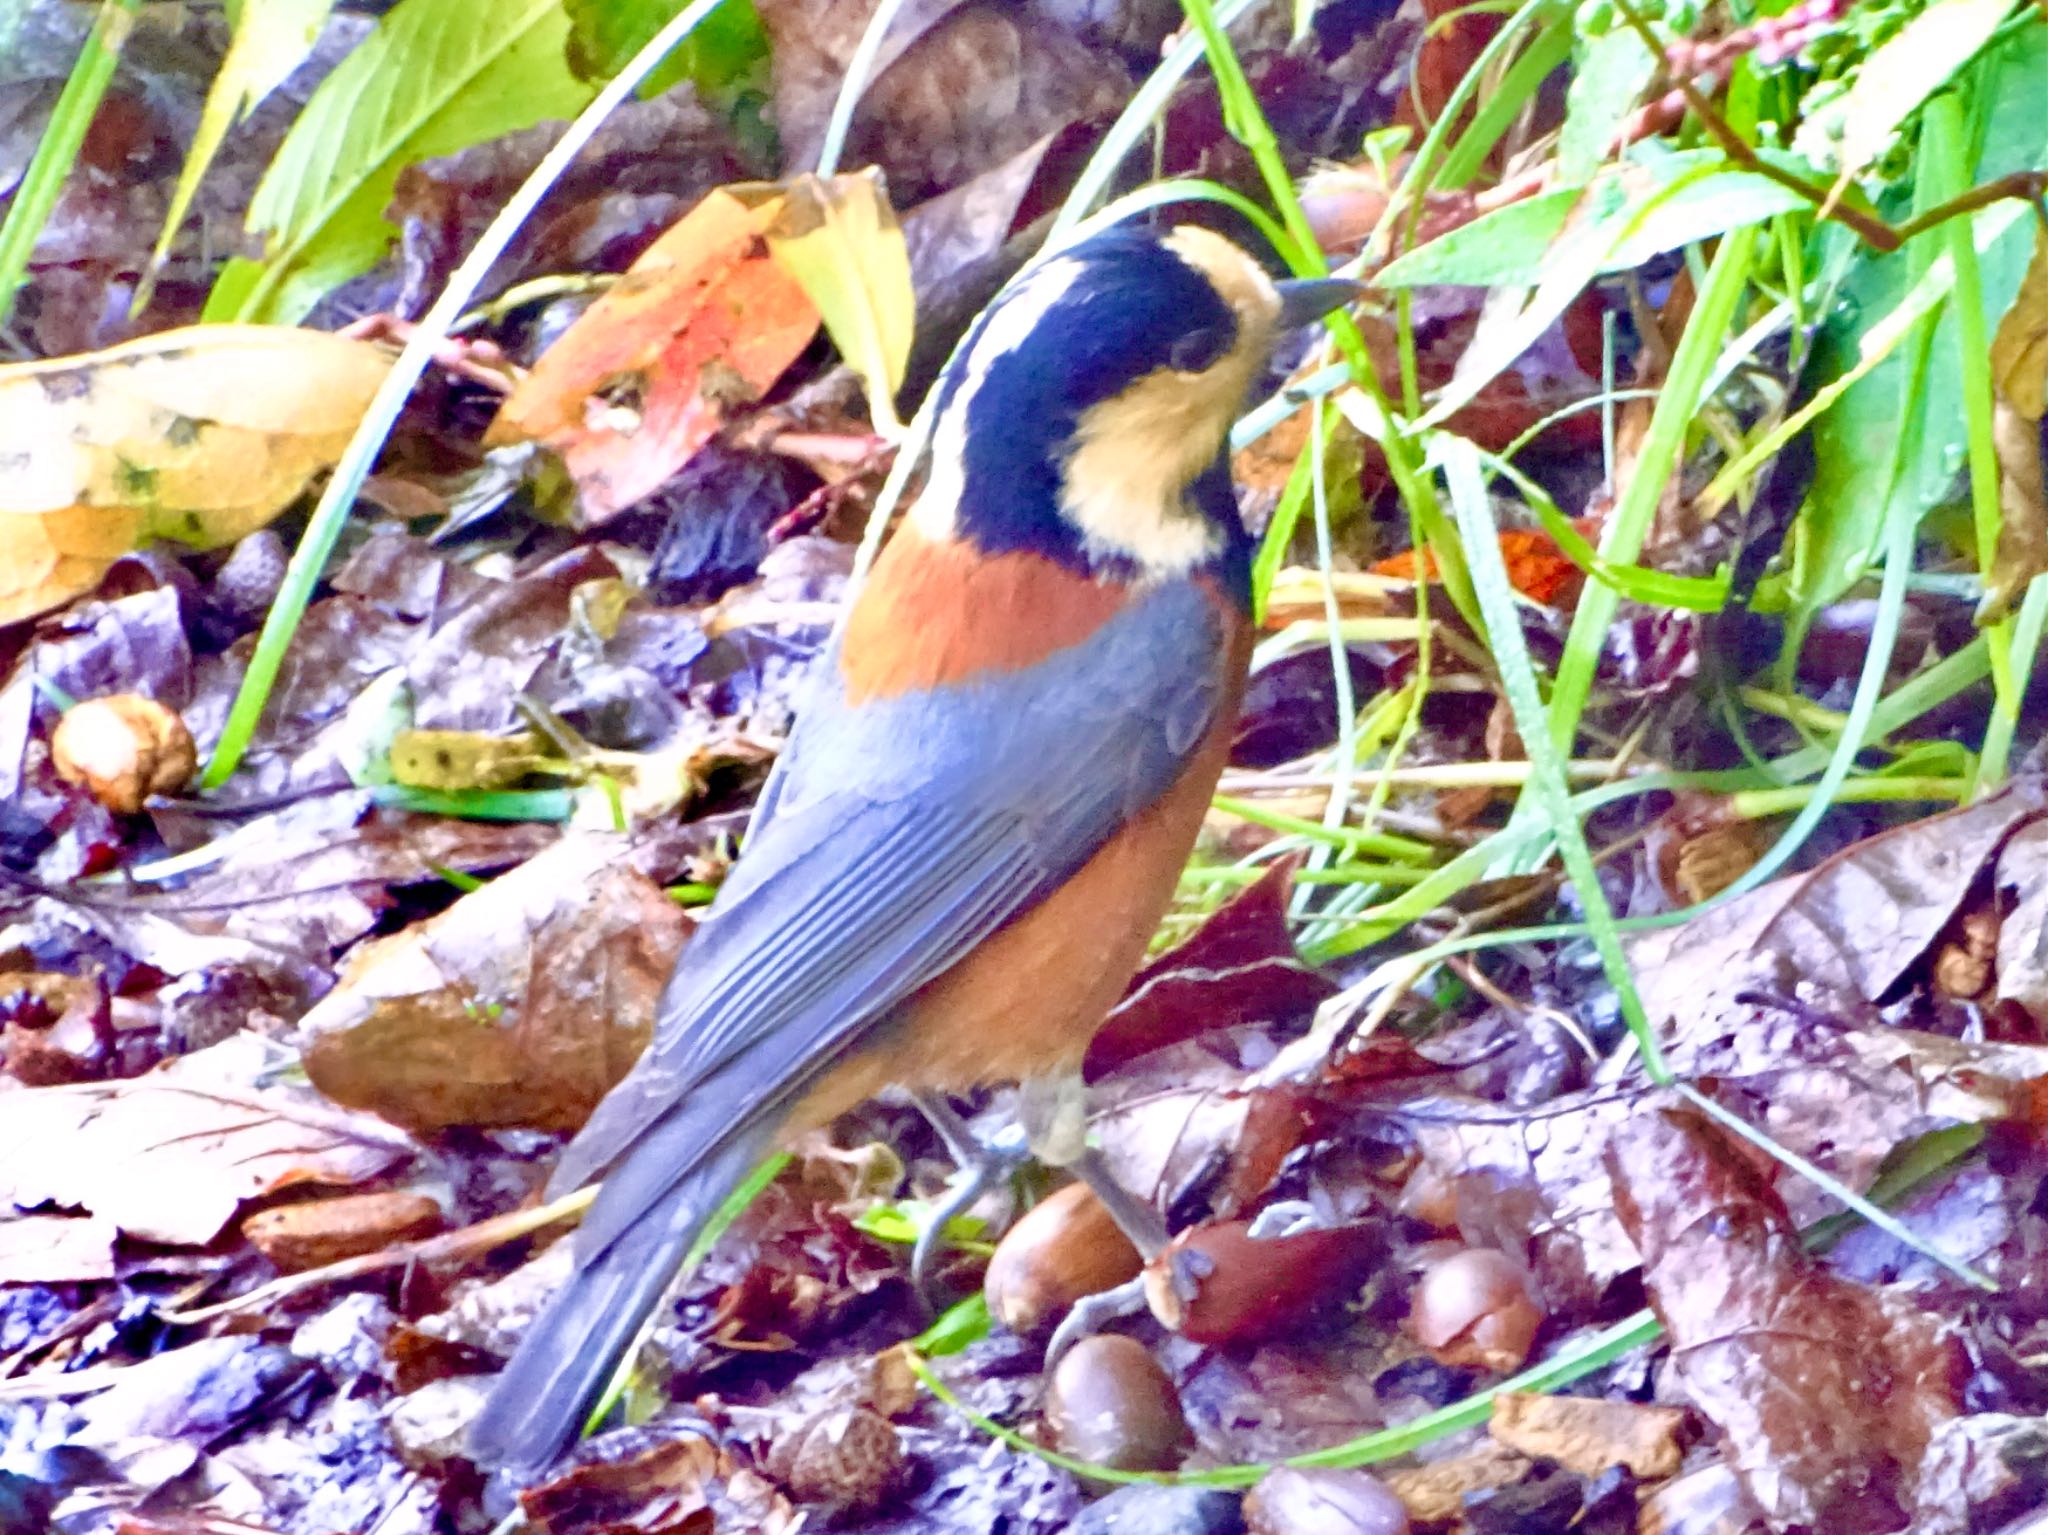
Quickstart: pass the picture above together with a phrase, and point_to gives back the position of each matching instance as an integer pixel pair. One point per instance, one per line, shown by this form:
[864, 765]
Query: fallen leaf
[839, 239]
[1826, 1393]
[169, 1157]
[1589, 1434]
[56, 1249]
[702, 323]
[321, 1231]
[1240, 966]
[520, 1004]
[199, 435]
[2019, 368]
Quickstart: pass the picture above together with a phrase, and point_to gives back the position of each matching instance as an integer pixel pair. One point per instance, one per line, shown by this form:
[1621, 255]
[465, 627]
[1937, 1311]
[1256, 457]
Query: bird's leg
[1054, 1115]
[983, 1165]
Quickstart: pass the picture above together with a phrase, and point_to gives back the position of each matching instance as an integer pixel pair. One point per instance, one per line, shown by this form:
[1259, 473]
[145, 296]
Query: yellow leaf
[839, 238]
[199, 435]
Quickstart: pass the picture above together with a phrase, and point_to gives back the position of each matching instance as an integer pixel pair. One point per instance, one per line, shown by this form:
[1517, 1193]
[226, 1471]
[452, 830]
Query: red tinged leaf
[1239, 967]
[702, 323]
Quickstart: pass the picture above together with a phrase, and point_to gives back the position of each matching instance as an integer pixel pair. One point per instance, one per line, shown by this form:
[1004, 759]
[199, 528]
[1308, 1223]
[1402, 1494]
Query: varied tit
[991, 787]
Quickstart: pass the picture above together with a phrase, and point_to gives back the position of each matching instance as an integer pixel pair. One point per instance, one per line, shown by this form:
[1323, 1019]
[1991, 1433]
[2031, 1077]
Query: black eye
[1198, 349]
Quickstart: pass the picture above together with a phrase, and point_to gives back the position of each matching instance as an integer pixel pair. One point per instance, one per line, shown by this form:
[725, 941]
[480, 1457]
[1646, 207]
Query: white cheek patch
[1015, 317]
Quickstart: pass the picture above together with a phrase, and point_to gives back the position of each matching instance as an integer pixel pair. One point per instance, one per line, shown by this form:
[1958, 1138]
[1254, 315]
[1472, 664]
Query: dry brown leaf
[303, 1236]
[200, 435]
[1586, 1435]
[2019, 379]
[169, 1157]
[56, 1249]
[520, 1004]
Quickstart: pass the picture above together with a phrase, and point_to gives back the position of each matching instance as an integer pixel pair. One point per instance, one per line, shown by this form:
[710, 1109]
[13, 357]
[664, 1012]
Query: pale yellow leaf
[199, 435]
[840, 240]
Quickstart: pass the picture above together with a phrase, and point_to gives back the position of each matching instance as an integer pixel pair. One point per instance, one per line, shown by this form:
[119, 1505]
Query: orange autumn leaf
[704, 322]
[1535, 565]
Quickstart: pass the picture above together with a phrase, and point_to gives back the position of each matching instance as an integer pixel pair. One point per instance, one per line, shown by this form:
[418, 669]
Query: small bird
[991, 787]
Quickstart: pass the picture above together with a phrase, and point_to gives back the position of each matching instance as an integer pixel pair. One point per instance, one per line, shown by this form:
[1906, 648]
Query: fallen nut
[122, 749]
[1065, 1249]
[1473, 1308]
[848, 1457]
[1218, 1283]
[1294, 1500]
[1111, 1404]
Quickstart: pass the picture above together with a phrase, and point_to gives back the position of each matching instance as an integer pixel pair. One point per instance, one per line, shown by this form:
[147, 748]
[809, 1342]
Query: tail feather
[555, 1379]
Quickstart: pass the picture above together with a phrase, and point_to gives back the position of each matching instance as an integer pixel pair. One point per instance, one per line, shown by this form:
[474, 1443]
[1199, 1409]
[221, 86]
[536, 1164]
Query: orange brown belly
[1028, 999]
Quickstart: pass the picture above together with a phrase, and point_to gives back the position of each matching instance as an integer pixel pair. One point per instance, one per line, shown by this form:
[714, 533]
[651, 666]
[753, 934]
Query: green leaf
[272, 37]
[1622, 218]
[1892, 444]
[1612, 72]
[963, 1322]
[1504, 247]
[435, 77]
[727, 47]
[1893, 83]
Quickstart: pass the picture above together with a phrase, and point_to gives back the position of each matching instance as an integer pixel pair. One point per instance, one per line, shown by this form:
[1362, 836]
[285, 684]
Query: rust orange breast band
[939, 613]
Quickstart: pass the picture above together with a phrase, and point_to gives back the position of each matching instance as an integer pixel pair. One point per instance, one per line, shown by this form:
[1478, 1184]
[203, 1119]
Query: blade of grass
[57, 150]
[1547, 789]
[858, 69]
[1677, 405]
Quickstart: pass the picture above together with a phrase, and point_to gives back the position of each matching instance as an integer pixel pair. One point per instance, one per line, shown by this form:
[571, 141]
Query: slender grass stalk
[858, 70]
[57, 151]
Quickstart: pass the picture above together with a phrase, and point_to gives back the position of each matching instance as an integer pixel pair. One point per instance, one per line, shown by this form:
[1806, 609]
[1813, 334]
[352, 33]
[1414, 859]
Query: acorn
[1219, 1284]
[122, 749]
[1474, 1309]
[1111, 1404]
[1322, 1500]
[848, 1458]
[1065, 1249]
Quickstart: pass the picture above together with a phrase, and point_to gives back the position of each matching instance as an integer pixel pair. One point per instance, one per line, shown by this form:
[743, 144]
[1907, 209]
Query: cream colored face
[1135, 456]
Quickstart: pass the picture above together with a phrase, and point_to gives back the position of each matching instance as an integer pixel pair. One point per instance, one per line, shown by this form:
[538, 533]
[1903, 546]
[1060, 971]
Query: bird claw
[1092, 1313]
[984, 1165]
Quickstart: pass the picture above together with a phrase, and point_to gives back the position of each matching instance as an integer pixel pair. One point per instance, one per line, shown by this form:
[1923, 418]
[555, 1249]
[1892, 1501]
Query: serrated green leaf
[272, 38]
[435, 77]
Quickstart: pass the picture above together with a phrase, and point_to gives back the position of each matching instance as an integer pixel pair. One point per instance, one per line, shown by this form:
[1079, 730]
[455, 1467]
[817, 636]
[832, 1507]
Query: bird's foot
[1090, 1314]
[984, 1165]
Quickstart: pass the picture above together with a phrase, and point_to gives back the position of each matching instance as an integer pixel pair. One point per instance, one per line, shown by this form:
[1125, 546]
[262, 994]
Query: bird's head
[1085, 415]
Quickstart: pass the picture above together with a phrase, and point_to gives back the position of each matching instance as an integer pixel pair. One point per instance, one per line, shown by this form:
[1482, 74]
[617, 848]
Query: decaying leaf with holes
[199, 436]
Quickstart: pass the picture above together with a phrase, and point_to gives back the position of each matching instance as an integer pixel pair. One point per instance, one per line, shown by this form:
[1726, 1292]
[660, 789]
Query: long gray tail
[552, 1384]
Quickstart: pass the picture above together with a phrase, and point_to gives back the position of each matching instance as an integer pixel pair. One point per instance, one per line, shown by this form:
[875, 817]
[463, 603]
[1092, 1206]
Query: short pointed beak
[1306, 300]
